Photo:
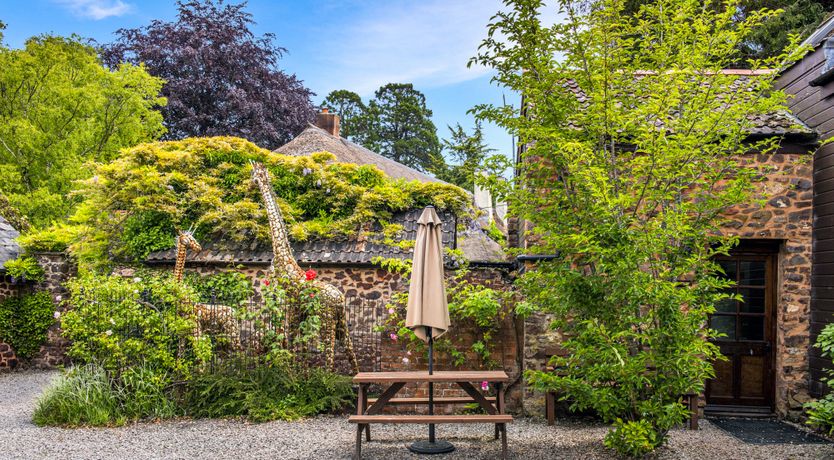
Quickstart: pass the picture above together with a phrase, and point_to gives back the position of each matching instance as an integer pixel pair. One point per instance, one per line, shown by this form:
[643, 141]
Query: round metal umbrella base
[427, 447]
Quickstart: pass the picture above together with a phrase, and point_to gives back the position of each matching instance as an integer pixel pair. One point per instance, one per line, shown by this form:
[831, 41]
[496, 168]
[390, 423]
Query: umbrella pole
[432, 446]
[431, 384]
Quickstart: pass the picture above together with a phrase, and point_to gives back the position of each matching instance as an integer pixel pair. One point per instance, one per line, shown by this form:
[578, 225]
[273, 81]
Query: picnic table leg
[365, 408]
[504, 441]
[499, 405]
[359, 429]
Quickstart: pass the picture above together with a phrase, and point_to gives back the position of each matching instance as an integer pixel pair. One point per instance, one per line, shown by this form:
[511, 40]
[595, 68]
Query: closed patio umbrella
[428, 314]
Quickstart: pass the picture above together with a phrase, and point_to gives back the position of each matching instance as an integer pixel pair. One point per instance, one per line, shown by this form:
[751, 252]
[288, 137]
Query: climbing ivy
[134, 204]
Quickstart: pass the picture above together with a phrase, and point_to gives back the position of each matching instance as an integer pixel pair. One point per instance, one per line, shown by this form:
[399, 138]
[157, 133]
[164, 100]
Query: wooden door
[746, 377]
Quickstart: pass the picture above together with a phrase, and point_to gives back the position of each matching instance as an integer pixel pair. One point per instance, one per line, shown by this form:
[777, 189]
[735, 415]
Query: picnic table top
[437, 376]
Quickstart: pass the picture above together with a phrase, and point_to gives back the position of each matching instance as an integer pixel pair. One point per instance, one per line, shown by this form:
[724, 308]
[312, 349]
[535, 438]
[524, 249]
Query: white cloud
[427, 43]
[96, 9]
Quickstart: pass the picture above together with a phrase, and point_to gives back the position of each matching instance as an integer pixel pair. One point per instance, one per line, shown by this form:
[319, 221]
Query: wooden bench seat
[363, 419]
[447, 400]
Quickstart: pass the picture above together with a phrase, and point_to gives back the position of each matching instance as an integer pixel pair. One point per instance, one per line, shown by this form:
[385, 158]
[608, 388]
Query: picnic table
[369, 410]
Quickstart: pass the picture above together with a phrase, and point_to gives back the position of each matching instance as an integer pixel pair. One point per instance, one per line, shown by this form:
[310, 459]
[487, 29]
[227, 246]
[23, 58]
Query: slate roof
[772, 124]
[314, 139]
[9, 249]
[338, 251]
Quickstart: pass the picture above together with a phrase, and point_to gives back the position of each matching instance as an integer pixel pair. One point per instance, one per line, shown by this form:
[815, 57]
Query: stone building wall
[787, 217]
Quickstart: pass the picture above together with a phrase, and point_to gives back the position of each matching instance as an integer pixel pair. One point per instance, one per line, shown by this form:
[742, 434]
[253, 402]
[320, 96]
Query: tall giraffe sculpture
[285, 265]
[209, 316]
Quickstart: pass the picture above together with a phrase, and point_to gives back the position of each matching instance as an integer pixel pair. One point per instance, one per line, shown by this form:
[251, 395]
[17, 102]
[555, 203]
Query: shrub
[267, 393]
[821, 412]
[89, 395]
[24, 322]
[24, 268]
[228, 288]
[81, 396]
[633, 438]
[119, 322]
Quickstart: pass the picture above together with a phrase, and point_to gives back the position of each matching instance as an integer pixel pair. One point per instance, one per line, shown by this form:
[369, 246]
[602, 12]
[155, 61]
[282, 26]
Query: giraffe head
[260, 176]
[186, 238]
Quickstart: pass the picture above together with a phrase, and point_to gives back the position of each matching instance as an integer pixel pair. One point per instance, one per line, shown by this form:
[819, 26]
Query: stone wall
[785, 218]
[8, 358]
[58, 269]
[787, 185]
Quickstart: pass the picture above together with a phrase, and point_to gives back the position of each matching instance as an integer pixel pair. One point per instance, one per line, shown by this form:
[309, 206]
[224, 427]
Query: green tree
[634, 135]
[398, 124]
[349, 106]
[59, 110]
[797, 17]
[467, 151]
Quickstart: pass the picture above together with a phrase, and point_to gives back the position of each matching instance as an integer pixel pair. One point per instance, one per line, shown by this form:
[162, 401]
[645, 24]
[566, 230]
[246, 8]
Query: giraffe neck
[283, 262]
[179, 266]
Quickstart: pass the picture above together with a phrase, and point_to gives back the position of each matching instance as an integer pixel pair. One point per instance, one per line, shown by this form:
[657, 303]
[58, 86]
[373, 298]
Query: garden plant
[634, 140]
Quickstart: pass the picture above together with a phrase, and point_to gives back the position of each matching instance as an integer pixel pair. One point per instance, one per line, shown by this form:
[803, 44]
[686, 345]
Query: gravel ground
[333, 437]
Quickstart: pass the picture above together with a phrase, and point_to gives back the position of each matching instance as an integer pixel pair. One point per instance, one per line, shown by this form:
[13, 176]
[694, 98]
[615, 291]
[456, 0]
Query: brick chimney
[328, 122]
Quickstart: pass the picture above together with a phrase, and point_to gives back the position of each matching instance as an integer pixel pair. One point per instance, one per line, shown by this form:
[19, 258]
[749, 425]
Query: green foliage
[90, 396]
[633, 135]
[54, 239]
[470, 305]
[349, 106]
[267, 393]
[25, 268]
[119, 323]
[468, 152]
[81, 396]
[60, 109]
[396, 123]
[495, 234]
[229, 288]
[134, 204]
[24, 321]
[633, 438]
[821, 411]
[292, 315]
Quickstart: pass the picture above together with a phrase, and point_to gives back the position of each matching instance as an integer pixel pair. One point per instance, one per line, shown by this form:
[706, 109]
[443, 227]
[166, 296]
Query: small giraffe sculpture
[284, 265]
[209, 316]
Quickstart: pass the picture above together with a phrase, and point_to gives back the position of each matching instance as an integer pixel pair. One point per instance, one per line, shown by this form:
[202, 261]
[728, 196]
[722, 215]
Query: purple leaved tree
[220, 78]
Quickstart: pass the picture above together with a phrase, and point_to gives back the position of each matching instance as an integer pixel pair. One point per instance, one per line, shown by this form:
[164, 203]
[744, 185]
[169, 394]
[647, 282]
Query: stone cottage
[767, 336]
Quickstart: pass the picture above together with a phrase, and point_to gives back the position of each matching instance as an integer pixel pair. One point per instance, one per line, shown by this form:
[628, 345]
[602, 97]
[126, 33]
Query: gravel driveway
[332, 438]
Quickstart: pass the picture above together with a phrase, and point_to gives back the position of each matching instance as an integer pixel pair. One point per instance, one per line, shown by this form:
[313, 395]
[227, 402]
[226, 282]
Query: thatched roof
[314, 139]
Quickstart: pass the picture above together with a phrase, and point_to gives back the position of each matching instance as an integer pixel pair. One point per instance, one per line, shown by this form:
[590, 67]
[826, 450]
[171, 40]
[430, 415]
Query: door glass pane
[754, 300]
[752, 328]
[729, 267]
[727, 305]
[725, 325]
[752, 273]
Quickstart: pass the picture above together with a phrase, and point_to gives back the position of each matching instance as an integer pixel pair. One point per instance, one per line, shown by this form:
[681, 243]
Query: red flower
[312, 295]
[266, 282]
[310, 275]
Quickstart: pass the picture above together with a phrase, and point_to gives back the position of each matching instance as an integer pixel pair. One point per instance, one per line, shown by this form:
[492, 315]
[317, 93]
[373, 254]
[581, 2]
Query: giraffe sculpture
[285, 265]
[220, 318]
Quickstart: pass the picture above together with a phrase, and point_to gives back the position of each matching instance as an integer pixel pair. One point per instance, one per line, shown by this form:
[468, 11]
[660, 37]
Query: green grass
[81, 396]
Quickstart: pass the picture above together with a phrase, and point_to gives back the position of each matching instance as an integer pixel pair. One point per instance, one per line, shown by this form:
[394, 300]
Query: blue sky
[347, 44]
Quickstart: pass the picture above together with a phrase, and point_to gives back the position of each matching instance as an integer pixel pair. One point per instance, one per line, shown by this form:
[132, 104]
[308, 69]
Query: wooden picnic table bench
[369, 410]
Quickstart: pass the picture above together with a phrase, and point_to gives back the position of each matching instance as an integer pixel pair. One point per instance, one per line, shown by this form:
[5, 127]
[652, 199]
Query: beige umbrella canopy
[427, 293]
